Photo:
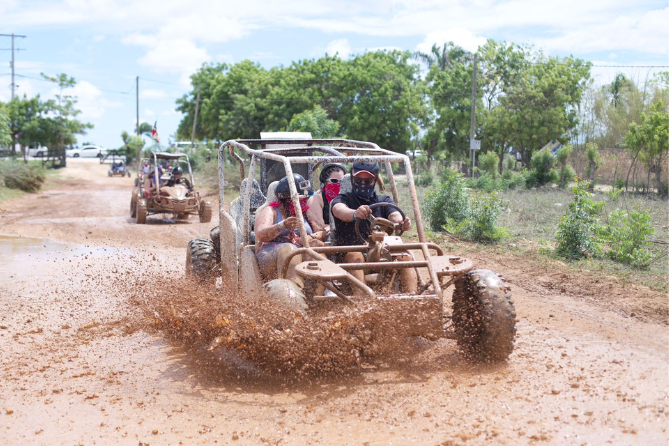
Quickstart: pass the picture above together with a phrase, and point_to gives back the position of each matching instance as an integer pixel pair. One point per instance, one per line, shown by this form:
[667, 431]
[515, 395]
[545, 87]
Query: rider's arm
[266, 230]
[343, 212]
[315, 212]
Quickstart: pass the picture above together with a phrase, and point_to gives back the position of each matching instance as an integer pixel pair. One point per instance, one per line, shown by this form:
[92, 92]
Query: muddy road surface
[80, 363]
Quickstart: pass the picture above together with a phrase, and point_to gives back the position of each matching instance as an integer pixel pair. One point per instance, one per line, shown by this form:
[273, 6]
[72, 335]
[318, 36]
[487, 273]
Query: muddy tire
[205, 211]
[181, 216]
[109, 173]
[201, 259]
[215, 236]
[484, 317]
[140, 212]
[287, 294]
[133, 206]
[136, 182]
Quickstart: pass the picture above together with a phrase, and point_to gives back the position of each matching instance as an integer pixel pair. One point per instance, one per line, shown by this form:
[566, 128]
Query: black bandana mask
[364, 192]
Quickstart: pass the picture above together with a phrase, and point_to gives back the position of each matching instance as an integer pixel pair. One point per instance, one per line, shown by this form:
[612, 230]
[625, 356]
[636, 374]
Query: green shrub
[577, 232]
[25, 177]
[619, 184]
[614, 194]
[425, 179]
[509, 162]
[542, 171]
[449, 200]
[626, 236]
[451, 208]
[488, 163]
[484, 216]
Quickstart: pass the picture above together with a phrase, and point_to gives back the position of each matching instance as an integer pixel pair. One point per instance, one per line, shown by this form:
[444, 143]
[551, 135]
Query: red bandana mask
[331, 191]
[303, 205]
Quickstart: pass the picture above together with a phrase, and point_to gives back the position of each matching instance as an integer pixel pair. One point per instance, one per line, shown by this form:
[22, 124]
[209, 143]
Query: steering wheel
[383, 224]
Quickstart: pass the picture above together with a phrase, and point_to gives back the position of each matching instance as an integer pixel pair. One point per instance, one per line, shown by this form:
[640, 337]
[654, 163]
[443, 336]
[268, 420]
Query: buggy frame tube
[247, 199]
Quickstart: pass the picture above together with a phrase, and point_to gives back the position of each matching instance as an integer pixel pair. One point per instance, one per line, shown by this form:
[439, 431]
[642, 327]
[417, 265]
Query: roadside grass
[7, 193]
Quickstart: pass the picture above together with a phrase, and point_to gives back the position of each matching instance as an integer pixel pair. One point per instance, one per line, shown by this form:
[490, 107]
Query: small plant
[451, 208]
[484, 215]
[619, 184]
[566, 171]
[614, 194]
[542, 171]
[626, 236]
[578, 229]
[425, 179]
[488, 163]
[594, 159]
[450, 200]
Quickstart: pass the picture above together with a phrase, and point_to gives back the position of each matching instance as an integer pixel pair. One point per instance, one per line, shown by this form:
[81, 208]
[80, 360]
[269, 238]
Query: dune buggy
[480, 316]
[152, 195]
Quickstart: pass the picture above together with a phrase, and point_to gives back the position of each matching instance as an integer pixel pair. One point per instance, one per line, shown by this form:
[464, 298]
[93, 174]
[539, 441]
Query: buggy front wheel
[484, 317]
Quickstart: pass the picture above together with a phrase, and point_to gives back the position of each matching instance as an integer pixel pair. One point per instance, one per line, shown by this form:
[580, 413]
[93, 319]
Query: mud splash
[276, 340]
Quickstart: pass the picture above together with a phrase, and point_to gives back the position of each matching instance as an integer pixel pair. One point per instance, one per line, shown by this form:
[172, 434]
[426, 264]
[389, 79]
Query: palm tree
[442, 56]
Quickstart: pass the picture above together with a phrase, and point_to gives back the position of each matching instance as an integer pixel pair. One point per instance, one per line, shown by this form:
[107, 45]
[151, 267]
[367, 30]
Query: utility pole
[12, 63]
[197, 106]
[137, 101]
[472, 128]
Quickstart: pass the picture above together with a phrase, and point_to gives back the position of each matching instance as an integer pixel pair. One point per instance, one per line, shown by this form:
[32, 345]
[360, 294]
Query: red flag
[154, 132]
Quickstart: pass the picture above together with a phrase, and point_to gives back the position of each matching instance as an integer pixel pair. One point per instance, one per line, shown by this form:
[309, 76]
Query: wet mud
[104, 342]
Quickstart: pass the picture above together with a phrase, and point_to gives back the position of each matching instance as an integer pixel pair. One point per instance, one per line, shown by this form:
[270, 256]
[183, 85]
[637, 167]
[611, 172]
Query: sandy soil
[590, 364]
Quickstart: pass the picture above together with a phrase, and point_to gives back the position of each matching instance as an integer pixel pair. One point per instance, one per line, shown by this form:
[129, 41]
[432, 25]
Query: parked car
[86, 152]
[37, 150]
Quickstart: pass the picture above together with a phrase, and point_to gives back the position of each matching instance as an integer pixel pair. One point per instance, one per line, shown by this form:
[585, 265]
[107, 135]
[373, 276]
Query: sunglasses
[333, 180]
[365, 181]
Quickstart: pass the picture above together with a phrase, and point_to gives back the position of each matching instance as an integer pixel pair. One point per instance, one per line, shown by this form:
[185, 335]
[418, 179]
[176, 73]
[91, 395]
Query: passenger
[276, 230]
[354, 205]
[319, 203]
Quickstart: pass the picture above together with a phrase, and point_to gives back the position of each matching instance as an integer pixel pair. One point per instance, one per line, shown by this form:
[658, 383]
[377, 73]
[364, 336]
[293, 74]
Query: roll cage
[317, 152]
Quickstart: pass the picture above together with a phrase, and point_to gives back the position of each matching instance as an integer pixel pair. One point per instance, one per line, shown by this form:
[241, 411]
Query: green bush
[626, 236]
[619, 184]
[25, 177]
[425, 179]
[451, 208]
[510, 180]
[450, 200]
[484, 216]
[542, 171]
[577, 232]
[488, 163]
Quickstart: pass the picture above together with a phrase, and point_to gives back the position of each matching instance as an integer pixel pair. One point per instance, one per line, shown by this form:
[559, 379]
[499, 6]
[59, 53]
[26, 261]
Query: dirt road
[590, 364]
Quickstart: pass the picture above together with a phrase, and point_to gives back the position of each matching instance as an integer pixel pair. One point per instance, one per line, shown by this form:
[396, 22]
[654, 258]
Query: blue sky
[105, 44]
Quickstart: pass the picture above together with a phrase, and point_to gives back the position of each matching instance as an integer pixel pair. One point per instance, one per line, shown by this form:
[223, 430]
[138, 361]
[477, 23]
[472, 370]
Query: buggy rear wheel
[201, 259]
[484, 317]
[133, 206]
[140, 212]
[205, 211]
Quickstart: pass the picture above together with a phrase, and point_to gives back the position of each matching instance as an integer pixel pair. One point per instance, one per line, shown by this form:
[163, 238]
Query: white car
[86, 152]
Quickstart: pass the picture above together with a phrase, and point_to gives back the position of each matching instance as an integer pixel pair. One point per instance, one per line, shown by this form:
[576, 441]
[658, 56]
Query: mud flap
[249, 273]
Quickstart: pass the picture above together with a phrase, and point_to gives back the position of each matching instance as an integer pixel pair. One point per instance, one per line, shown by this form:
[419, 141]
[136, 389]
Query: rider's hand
[362, 212]
[290, 223]
[406, 224]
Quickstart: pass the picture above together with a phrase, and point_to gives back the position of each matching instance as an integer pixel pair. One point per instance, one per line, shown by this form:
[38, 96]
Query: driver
[354, 205]
[178, 178]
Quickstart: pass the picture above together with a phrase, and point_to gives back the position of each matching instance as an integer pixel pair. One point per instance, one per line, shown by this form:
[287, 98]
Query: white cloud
[91, 101]
[566, 26]
[340, 47]
[149, 112]
[459, 36]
